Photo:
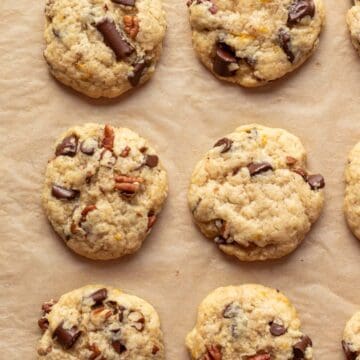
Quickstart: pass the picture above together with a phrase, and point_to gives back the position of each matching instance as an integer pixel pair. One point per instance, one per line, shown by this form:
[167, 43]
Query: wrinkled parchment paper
[183, 110]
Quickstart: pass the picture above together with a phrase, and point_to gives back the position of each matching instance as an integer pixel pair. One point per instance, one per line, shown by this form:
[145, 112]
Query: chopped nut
[85, 211]
[128, 179]
[127, 189]
[95, 351]
[213, 353]
[125, 152]
[290, 160]
[108, 140]
[151, 220]
[131, 25]
[47, 306]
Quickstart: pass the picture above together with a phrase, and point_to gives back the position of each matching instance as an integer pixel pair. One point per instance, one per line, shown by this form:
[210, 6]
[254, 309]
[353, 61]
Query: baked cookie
[249, 322]
[103, 47]
[351, 338]
[97, 322]
[103, 190]
[251, 194]
[353, 21]
[252, 42]
[352, 191]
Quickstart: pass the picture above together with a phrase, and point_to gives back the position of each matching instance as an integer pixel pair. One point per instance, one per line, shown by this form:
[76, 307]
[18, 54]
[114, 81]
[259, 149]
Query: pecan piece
[151, 220]
[95, 351]
[85, 211]
[260, 357]
[125, 152]
[108, 139]
[131, 25]
[127, 189]
[128, 179]
[213, 353]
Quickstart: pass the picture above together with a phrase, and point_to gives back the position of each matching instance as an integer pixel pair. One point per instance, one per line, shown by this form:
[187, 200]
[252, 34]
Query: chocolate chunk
[88, 147]
[299, 9]
[118, 347]
[47, 306]
[350, 355]
[224, 57]
[155, 349]
[285, 43]
[151, 160]
[114, 40]
[257, 168]
[138, 70]
[231, 311]
[124, 2]
[277, 329]
[66, 337]
[43, 324]
[316, 181]
[68, 146]
[137, 320]
[63, 193]
[99, 296]
[108, 139]
[226, 143]
[300, 347]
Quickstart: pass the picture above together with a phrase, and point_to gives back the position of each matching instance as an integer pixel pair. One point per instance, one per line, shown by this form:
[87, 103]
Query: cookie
[252, 195]
[98, 322]
[351, 338]
[353, 21]
[103, 190]
[103, 47]
[252, 42]
[249, 322]
[352, 189]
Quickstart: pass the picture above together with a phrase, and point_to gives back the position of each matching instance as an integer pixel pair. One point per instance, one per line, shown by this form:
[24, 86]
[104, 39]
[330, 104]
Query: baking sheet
[182, 110]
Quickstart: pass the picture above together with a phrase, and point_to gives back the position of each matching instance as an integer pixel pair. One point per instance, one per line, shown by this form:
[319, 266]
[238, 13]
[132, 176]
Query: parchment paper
[183, 110]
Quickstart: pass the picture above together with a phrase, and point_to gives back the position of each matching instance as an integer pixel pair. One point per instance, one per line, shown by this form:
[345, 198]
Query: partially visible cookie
[97, 322]
[252, 194]
[103, 47]
[249, 322]
[103, 190]
[353, 21]
[352, 190]
[253, 42]
[351, 338]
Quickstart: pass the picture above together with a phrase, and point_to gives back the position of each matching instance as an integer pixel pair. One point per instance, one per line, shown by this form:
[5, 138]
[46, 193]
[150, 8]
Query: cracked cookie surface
[353, 21]
[252, 195]
[103, 190]
[352, 190]
[98, 322]
[248, 322]
[252, 42]
[103, 48]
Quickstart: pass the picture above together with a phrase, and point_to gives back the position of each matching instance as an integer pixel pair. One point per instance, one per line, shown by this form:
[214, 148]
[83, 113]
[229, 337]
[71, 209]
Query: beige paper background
[183, 110]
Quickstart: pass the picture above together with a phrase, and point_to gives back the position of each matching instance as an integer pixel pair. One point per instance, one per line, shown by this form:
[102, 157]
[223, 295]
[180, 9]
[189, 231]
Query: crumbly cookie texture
[103, 190]
[252, 195]
[351, 338]
[252, 42]
[353, 21]
[249, 322]
[352, 190]
[97, 322]
[103, 47]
